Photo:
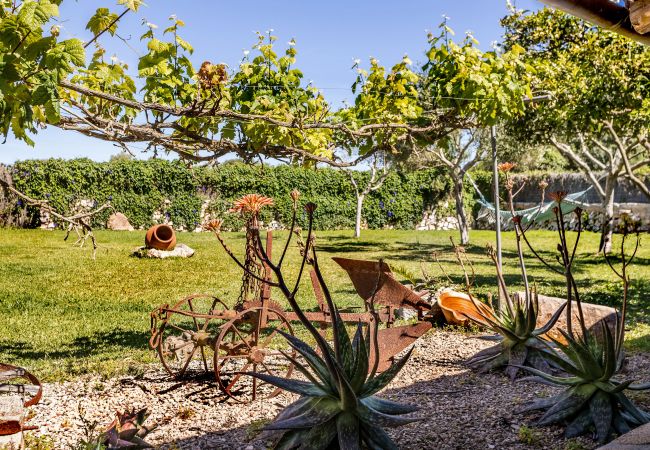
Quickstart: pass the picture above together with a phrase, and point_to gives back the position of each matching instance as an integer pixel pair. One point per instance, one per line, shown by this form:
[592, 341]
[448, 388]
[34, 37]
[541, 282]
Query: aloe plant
[519, 341]
[127, 430]
[337, 407]
[593, 396]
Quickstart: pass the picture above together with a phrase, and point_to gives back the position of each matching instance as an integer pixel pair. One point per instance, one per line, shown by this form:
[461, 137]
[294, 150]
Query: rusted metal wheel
[185, 339]
[251, 343]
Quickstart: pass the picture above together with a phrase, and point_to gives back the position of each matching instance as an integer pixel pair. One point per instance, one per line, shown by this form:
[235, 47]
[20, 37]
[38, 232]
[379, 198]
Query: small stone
[118, 222]
[180, 251]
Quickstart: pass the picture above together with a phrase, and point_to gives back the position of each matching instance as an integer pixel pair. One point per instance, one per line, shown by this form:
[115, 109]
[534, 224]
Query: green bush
[140, 188]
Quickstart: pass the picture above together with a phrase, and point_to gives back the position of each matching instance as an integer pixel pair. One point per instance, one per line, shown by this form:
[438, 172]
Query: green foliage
[520, 343]
[486, 85]
[527, 435]
[594, 75]
[32, 62]
[139, 188]
[591, 396]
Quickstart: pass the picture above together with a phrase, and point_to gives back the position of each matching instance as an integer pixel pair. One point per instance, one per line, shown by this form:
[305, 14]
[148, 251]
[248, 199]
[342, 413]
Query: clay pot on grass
[161, 237]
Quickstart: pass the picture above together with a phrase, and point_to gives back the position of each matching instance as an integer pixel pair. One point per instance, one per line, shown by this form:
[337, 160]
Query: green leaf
[133, 5]
[579, 425]
[295, 386]
[376, 438]
[321, 410]
[377, 383]
[101, 20]
[601, 413]
[388, 406]
[347, 430]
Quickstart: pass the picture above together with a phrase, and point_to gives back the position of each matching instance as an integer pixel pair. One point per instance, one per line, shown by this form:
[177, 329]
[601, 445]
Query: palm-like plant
[515, 319]
[592, 397]
[519, 339]
[337, 407]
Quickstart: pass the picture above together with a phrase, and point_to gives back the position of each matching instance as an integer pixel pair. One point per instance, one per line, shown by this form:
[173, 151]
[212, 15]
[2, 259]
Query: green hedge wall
[139, 188]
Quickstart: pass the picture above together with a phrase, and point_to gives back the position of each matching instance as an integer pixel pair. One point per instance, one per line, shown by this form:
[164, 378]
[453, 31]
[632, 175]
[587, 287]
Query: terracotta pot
[161, 237]
[457, 307]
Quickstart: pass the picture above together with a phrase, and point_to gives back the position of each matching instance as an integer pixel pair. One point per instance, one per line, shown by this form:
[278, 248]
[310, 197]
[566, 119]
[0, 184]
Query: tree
[599, 115]
[490, 88]
[459, 152]
[379, 171]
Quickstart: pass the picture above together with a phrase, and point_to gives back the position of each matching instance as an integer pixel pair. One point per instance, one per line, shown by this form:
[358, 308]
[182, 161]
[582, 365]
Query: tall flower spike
[310, 208]
[295, 195]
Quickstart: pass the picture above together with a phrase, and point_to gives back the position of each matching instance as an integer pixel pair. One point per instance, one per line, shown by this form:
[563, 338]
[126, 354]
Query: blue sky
[329, 35]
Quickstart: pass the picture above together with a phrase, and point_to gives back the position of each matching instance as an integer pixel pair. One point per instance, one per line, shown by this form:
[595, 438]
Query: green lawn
[63, 314]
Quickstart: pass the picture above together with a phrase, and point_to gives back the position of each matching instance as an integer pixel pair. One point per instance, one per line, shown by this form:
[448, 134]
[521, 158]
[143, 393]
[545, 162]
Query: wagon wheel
[186, 337]
[243, 346]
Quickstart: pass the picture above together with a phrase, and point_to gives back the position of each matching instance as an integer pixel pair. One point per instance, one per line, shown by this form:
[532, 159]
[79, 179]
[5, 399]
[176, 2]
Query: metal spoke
[196, 323]
[242, 338]
[237, 377]
[182, 330]
[205, 362]
[187, 363]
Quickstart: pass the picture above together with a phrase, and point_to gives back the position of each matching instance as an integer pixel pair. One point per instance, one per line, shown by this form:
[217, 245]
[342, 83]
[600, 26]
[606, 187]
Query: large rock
[593, 315]
[118, 222]
[637, 439]
[180, 251]
[12, 415]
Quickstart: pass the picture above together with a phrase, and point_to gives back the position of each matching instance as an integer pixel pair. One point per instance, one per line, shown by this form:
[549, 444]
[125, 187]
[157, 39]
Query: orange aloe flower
[506, 166]
[558, 196]
[251, 203]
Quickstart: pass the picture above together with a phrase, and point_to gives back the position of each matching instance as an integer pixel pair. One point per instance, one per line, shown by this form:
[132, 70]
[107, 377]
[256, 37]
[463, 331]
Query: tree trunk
[463, 226]
[608, 214]
[357, 224]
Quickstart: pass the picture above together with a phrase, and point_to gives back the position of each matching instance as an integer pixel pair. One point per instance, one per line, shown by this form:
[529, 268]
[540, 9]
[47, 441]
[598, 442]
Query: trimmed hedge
[140, 188]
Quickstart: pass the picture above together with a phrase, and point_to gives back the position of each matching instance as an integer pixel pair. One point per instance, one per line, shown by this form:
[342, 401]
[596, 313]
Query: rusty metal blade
[395, 339]
[366, 278]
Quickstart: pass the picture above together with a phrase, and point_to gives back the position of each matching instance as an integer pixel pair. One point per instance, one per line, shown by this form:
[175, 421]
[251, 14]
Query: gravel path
[460, 410]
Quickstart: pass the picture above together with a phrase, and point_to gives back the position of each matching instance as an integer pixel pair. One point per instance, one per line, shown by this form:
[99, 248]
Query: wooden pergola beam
[607, 14]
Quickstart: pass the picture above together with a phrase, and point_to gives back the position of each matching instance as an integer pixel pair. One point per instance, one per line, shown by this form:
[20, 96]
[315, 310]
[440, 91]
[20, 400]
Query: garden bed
[460, 409]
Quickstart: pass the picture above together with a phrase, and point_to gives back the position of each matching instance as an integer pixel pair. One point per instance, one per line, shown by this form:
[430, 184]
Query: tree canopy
[261, 107]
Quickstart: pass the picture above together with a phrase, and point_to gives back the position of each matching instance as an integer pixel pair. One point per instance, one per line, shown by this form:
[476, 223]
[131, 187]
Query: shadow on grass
[79, 347]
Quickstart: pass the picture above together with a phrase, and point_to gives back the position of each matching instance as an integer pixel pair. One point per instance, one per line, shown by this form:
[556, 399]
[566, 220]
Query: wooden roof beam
[605, 13]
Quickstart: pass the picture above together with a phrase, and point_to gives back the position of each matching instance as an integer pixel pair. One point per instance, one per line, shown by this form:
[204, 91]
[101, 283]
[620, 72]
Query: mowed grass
[63, 314]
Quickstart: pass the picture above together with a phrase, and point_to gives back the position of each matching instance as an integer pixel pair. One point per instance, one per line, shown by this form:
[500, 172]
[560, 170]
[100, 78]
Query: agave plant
[519, 341]
[337, 407]
[127, 430]
[593, 396]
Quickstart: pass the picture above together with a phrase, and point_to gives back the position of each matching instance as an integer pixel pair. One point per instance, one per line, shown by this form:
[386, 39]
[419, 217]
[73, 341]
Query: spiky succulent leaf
[380, 381]
[337, 406]
[520, 343]
[592, 399]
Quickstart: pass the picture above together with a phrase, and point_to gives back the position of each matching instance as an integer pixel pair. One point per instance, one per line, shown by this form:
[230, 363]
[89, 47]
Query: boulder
[118, 222]
[593, 315]
[637, 439]
[12, 415]
[180, 251]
